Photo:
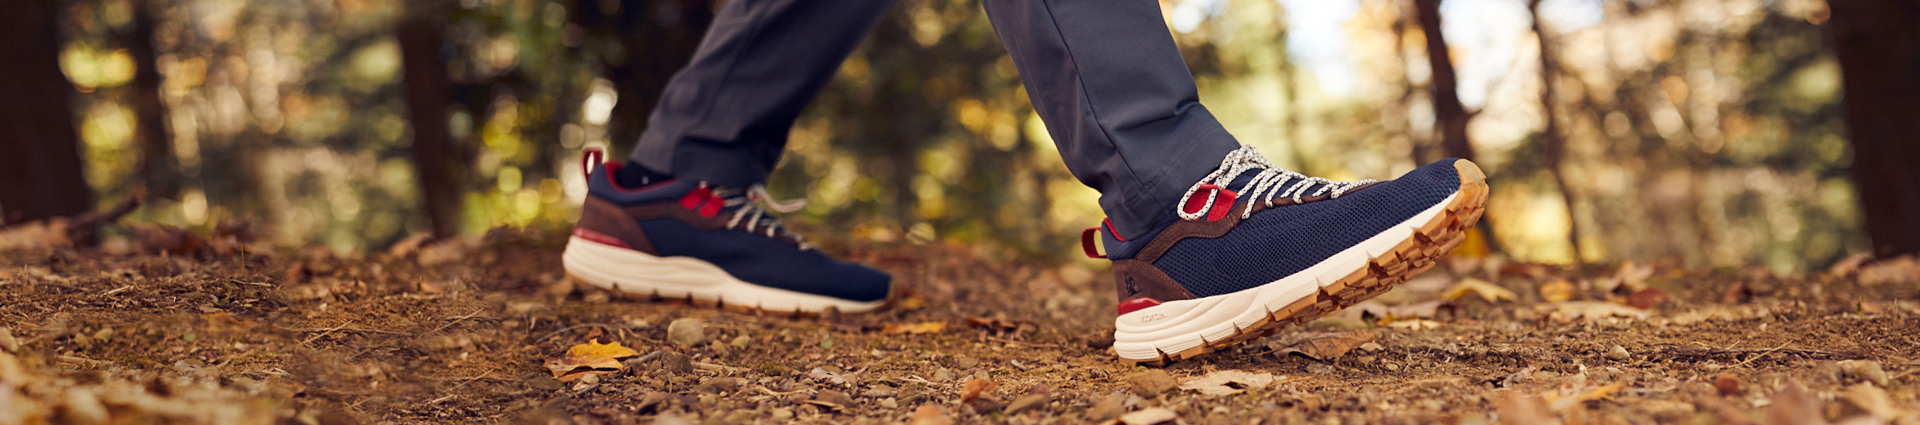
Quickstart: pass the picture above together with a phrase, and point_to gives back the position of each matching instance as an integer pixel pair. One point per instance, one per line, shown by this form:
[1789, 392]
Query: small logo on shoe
[1132, 288]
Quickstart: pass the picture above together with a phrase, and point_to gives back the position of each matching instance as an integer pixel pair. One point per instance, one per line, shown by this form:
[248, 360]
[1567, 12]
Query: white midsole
[639, 273]
[1177, 326]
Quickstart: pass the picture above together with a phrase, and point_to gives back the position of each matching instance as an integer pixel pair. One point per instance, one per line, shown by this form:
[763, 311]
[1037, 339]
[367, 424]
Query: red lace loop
[1087, 242]
[587, 159]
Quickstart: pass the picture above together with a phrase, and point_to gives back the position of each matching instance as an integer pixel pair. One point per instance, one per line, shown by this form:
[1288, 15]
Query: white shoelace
[1268, 182]
[754, 205]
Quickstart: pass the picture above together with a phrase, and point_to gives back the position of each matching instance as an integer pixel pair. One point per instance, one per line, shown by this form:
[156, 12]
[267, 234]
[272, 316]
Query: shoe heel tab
[1088, 245]
[593, 156]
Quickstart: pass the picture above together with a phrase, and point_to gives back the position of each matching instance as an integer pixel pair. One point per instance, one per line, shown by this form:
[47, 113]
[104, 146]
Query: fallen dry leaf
[1646, 298]
[1872, 400]
[915, 328]
[1902, 269]
[1320, 345]
[1486, 290]
[36, 235]
[1228, 382]
[1414, 324]
[930, 414]
[1793, 405]
[1148, 416]
[1557, 291]
[1524, 409]
[1573, 310]
[1558, 403]
[1846, 266]
[975, 387]
[591, 358]
[995, 325]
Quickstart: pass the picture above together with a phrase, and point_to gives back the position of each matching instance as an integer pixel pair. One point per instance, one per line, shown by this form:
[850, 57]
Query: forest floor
[171, 327]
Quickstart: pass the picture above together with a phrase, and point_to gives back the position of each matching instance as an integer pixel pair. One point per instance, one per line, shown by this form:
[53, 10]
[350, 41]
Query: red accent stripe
[1086, 242]
[714, 203]
[1110, 229]
[597, 237]
[1136, 304]
[1219, 212]
[693, 199]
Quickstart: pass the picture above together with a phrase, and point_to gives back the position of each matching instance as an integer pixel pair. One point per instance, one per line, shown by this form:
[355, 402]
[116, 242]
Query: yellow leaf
[1557, 291]
[590, 358]
[915, 328]
[1486, 290]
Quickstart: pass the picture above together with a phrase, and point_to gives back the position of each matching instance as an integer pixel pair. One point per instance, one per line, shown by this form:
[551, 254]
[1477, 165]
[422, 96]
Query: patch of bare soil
[485, 330]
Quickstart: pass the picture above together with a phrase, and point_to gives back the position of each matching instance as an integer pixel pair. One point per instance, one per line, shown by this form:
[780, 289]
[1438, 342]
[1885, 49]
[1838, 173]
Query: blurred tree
[1555, 149]
[422, 31]
[158, 169]
[40, 174]
[1878, 45]
[1452, 117]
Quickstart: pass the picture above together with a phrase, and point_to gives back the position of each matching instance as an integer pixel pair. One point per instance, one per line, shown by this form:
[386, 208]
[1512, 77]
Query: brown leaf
[1320, 345]
[915, 328]
[1793, 405]
[929, 414]
[1486, 290]
[1574, 310]
[1646, 298]
[1524, 409]
[995, 325]
[1227, 382]
[975, 387]
[1557, 291]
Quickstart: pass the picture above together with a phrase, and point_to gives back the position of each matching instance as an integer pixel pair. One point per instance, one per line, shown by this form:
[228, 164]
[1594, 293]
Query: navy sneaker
[1277, 248]
[677, 239]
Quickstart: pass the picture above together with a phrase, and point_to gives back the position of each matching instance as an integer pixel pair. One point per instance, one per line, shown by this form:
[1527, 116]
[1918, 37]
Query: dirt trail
[460, 333]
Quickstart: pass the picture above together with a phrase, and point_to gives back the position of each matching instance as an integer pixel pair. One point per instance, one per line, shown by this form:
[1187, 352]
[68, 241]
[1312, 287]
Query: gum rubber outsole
[1409, 258]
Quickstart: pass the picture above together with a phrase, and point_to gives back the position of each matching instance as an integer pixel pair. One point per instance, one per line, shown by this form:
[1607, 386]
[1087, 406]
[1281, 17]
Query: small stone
[686, 332]
[944, 375]
[1619, 354]
[676, 362]
[964, 362]
[1108, 408]
[1148, 416]
[1727, 384]
[986, 405]
[1320, 369]
[742, 341]
[780, 414]
[1151, 383]
[889, 403]
[7, 343]
[1392, 367]
[1028, 402]
[835, 398]
[1867, 370]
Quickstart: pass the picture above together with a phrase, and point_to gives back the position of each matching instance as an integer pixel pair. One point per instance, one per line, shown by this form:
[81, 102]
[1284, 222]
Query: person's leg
[697, 225]
[724, 118]
[1250, 247]
[1118, 100]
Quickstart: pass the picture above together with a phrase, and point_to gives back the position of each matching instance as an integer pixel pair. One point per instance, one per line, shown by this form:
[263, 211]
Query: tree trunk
[1878, 45]
[158, 169]
[1449, 115]
[40, 170]
[1555, 145]
[422, 35]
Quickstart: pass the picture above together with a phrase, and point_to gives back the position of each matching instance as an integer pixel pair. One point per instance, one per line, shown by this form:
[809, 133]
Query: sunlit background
[1706, 131]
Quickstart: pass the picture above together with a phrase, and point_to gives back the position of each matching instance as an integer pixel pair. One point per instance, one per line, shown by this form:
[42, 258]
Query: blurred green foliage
[1705, 130]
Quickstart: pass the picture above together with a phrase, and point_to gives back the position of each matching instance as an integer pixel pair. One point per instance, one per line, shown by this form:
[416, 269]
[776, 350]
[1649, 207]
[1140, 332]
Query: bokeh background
[1709, 132]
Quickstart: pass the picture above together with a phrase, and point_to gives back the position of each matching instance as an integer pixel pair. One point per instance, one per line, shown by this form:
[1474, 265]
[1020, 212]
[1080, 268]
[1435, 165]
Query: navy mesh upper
[1280, 241]
[750, 257]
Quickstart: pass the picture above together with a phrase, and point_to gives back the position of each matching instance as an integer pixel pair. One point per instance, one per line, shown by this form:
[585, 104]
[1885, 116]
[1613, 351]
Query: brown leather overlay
[1137, 277]
[602, 216]
[1134, 278]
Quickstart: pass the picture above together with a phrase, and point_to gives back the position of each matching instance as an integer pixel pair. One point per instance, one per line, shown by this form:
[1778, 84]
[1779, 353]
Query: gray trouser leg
[1117, 99]
[724, 118]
